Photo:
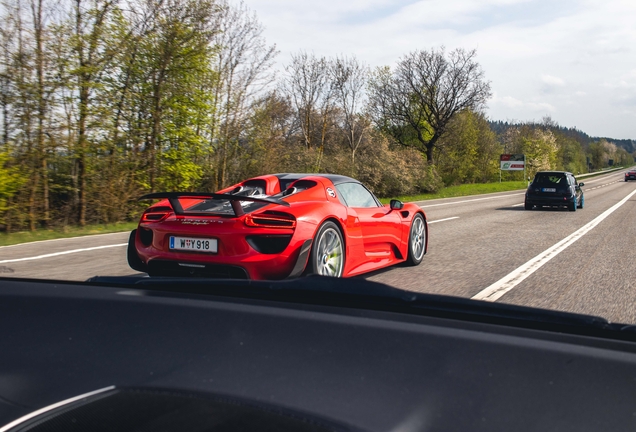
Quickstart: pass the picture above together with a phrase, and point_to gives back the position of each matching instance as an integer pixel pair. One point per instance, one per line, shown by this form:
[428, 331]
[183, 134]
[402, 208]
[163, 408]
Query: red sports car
[275, 227]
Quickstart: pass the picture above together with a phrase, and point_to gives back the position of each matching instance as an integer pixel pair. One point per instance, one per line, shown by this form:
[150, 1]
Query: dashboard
[301, 355]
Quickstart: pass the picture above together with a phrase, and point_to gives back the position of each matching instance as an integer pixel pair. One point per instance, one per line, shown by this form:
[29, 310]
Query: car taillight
[156, 214]
[270, 219]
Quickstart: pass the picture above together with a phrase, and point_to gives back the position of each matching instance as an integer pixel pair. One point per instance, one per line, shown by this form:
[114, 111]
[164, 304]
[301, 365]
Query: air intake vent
[145, 235]
[269, 244]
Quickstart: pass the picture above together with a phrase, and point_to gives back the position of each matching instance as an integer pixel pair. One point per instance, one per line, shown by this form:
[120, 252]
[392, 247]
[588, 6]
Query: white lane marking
[442, 220]
[62, 253]
[603, 185]
[64, 238]
[477, 199]
[514, 278]
[517, 205]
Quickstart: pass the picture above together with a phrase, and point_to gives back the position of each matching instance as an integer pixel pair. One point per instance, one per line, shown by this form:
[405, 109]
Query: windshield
[451, 109]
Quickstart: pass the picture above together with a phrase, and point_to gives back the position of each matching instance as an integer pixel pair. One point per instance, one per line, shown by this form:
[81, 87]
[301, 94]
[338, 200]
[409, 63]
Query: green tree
[469, 152]
[570, 155]
[538, 144]
[11, 180]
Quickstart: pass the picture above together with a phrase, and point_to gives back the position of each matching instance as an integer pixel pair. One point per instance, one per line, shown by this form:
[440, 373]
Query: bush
[386, 171]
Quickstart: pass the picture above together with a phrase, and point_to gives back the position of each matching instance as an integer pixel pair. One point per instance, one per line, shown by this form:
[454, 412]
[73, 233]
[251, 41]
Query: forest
[102, 101]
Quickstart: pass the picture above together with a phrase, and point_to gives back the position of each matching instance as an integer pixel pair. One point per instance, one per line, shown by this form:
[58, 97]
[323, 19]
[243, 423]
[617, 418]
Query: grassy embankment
[448, 192]
[50, 234]
[464, 190]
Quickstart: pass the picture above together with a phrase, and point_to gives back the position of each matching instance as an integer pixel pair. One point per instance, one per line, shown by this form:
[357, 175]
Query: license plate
[194, 244]
[548, 190]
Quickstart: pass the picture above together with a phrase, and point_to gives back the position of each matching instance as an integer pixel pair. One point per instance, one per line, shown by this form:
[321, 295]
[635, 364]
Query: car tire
[582, 202]
[327, 256]
[417, 240]
[572, 206]
[134, 261]
[527, 206]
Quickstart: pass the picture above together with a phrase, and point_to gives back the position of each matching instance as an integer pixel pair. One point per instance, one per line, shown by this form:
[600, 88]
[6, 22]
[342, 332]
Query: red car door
[380, 227]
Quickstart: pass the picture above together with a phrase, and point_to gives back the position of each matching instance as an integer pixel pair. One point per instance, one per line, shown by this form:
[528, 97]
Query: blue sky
[572, 60]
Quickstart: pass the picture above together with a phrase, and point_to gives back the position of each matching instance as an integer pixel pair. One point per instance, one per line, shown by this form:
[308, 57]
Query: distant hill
[500, 127]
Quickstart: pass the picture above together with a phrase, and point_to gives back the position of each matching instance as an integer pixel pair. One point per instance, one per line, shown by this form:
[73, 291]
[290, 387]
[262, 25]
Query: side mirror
[581, 184]
[397, 205]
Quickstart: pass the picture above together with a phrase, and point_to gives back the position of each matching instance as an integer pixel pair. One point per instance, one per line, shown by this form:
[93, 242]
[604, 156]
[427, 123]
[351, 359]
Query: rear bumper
[162, 267]
[250, 266]
[546, 201]
[236, 258]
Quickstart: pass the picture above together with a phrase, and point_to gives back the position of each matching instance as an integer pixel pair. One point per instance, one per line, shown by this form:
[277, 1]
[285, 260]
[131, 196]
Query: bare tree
[349, 78]
[415, 103]
[26, 92]
[307, 83]
[7, 40]
[42, 94]
[91, 56]
[24, 107]
[243, 63]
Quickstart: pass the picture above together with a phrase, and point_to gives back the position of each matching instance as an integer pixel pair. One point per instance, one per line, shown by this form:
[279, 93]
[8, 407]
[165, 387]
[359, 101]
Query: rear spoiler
[235, 200]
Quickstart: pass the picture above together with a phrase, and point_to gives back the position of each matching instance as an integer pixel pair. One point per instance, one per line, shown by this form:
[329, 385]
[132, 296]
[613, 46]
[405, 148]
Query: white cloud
[507, 101]
[539, 53]
[518, 105]
[541, 107]
[552, 80]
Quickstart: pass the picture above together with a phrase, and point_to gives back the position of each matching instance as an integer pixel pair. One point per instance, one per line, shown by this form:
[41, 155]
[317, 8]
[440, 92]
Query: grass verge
[49, 234]
[464, 190]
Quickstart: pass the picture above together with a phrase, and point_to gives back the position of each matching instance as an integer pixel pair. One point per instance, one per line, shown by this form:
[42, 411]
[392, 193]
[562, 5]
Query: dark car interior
[550, 179]
[161, 354]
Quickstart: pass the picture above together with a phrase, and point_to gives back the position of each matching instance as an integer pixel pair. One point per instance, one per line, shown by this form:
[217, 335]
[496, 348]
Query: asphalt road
[486, 246]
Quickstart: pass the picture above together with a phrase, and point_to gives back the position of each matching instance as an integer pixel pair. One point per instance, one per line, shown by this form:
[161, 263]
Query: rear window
[550, 179]
[222, 206]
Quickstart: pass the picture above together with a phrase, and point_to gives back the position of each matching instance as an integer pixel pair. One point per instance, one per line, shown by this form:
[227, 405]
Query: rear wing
[235, 200]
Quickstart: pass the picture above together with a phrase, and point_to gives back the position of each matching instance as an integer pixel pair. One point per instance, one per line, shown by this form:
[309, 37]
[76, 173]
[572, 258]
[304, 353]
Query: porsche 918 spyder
[275, 227]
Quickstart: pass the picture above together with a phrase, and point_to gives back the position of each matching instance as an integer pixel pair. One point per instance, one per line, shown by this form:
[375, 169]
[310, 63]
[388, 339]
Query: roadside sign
[512, 162]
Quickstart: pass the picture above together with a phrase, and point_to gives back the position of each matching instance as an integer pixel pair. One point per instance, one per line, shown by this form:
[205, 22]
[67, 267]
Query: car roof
[554, 172]
[334, 178]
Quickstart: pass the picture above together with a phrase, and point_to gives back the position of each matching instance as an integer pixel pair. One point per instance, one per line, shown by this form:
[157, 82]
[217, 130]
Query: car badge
[331, 192]
[197, 221]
